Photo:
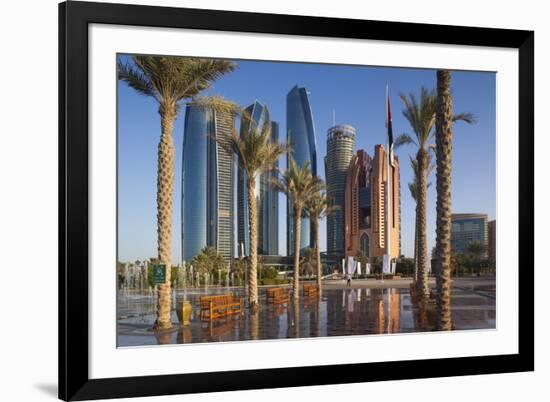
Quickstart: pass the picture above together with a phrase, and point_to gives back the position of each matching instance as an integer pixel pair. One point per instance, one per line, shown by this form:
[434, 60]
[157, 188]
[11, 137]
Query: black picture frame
[74, 18]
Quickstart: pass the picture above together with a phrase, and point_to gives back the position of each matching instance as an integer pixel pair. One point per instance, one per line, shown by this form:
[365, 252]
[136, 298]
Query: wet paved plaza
[360, 310]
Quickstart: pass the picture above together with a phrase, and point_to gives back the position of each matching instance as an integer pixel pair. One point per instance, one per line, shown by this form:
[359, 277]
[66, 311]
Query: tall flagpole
[387, 206]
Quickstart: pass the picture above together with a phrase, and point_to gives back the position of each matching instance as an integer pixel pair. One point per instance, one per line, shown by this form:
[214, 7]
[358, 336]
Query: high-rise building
[467, 229]
[357, 205]
[365, 205]
[340, 148]
[267, 199]
[301, 138]
[271, 228]
[378, 199]
[207, 183]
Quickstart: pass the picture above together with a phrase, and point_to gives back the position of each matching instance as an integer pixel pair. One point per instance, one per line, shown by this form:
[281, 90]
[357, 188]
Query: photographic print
[269, 200]
[257, 200]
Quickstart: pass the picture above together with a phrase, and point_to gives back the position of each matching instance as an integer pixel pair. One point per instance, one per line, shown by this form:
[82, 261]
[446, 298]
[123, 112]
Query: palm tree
[443, 138]
[444, 145]
[208, 262]
[237, 269]
[476, 250]
[316, 208]
[307, 261]
[257, 154]
[457, 261]
[421, 116]
[169, 80]
[413, 188]
[299, 184]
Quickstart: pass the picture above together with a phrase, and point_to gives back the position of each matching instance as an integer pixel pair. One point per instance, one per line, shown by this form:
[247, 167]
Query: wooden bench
[276, 311]
[218, 328]
[213, 307]
[277, 296]
[310, 303]
[309, 290]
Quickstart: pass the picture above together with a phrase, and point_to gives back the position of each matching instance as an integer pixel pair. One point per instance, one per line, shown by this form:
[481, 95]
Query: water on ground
[340, 311]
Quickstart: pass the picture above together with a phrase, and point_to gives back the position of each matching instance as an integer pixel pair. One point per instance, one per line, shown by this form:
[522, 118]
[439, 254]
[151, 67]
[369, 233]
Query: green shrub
[268, 273]
[405, 267]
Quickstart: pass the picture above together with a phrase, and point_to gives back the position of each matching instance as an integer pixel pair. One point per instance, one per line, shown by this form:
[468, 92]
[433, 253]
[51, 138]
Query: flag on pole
[389, 126]
[389, 195]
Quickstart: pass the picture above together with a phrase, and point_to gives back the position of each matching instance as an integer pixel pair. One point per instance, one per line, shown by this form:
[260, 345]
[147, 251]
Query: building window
[364, 245]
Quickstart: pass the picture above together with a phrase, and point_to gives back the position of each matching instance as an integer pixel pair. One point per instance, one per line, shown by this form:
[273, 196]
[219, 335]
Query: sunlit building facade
[365, 205]
[357, 201]
[340, 149]
[467, 229]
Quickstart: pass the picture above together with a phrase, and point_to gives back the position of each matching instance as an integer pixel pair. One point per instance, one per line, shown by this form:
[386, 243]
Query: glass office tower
[271, 228]
[340, 147]
[467, 229]
[207, 183]
[301, 138]
[267, 200]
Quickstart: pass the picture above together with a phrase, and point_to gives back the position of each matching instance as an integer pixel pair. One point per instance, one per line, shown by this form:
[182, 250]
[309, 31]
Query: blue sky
[356, 94]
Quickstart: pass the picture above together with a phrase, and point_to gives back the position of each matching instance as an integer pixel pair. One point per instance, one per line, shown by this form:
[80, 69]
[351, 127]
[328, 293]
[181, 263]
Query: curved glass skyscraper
[301, 137]
[207, 184]
[340, 148]
[266, 197]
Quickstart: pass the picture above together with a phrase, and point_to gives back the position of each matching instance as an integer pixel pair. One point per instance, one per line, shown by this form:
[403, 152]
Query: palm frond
[200, 73]
[413, 185]
[469, 118]
[414, 164]
[136, 79]
[298, 183]
[420, 114]
[413, 188]
[175, 78]
[428, 106]
[218, 103]
[256, 151]
[319, 206]
[431, 163]
[403, 139]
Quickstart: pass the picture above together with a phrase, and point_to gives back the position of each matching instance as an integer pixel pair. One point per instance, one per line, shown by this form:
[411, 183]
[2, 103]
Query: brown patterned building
[365, 224]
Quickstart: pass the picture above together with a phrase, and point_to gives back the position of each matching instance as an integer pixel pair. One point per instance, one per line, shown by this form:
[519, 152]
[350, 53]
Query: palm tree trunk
[444, 144]
[254, 325]
[253, 224]
[319, 305]
[415, 249]
[165, 191]
[296, 308]
[297, 236]
[315, 223]
[422, 253]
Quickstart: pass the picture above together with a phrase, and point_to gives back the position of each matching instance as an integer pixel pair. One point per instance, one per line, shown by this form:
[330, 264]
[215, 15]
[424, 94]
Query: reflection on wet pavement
[336, 312]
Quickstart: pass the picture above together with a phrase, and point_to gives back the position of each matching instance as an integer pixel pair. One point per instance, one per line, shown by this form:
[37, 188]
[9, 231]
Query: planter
[183, 310]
